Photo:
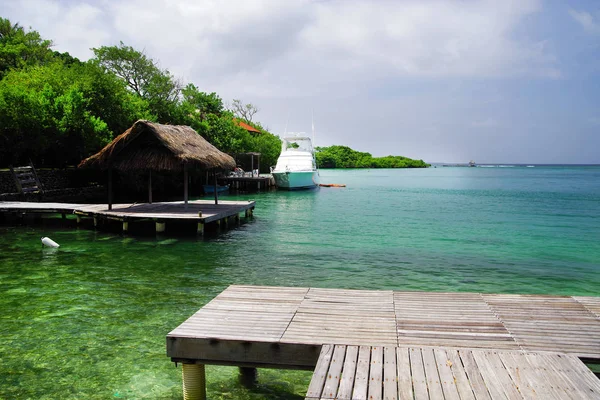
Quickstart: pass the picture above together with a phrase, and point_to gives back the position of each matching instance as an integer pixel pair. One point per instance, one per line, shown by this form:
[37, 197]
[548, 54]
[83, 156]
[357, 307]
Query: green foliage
[345, 157]
[58, 114]
[19, 49]
[200, 102]
[143, 77]
[226, 135]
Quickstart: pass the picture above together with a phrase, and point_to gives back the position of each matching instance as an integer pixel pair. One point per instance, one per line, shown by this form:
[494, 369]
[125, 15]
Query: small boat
[211, 189]
[296, 167]
[472, 163]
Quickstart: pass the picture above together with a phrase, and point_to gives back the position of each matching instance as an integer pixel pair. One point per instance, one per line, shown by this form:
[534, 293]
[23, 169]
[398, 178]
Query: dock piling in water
[194, 382]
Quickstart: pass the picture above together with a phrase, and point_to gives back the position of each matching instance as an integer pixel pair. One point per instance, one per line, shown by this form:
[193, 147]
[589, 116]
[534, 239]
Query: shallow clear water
[89, 320]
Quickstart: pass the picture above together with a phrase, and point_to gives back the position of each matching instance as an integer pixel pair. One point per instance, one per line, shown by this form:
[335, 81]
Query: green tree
[57, 114]
[345, 157]
[226, 135]
[19, 48]
[143, 77]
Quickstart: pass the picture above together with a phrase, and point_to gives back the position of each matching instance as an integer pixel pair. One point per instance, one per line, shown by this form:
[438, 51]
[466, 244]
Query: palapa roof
[150, 146]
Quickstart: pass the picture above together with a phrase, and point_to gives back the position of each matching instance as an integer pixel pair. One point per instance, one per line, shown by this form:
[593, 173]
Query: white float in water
[46, 241]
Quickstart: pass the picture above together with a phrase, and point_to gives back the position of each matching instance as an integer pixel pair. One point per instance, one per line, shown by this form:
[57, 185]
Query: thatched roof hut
[150, 146]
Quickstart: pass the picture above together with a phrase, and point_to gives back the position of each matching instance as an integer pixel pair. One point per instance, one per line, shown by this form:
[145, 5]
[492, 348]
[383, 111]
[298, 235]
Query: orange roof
[247, 127]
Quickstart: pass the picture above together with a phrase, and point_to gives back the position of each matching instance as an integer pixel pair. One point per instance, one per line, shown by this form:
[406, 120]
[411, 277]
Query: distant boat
[296, 167]
[472, 163]
[210, 189]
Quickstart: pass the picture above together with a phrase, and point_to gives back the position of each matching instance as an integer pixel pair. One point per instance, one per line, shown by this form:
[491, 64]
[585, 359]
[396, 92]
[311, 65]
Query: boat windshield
[296, 144]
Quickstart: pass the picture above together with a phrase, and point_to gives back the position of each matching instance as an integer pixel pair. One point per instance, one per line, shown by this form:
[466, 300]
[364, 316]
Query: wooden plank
[348, 373]
[390, 374]
[480, 390]
[448, 319]
[518, 371]
[460, 377]
[444, 366]
[361, 378]
[431, 373]
[419, 381]
[376, 373]
[592, 304]
[578, 374]
[315, 388]
[549, 323]
[333, 375]
[405, 385]
[496, 379]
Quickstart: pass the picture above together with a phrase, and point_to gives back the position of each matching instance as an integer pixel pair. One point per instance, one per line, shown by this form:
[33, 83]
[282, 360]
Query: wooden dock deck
[373, 372]
[200, 211]
[237, 324]
[283, 327]
[247, 183]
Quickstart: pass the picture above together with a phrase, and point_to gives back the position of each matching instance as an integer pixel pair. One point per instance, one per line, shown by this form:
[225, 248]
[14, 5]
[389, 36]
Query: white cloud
[264, 47]
[413, 77]
[586, 20]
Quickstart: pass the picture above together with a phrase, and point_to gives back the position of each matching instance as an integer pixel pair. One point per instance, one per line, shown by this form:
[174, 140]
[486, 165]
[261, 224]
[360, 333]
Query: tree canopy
[57, 110]
[345, 157]
[19, 48]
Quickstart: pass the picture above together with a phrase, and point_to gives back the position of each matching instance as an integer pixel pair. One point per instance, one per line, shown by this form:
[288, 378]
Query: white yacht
[296, 167]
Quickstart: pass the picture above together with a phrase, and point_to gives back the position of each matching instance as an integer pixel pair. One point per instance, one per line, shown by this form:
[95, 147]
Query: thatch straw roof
[150, 146]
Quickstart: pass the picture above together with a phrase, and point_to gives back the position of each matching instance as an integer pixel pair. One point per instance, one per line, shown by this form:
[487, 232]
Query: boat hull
[296, 180]
[209, 189]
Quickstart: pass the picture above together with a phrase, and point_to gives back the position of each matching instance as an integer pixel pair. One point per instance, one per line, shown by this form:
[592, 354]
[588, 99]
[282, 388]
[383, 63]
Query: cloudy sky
[496, 81]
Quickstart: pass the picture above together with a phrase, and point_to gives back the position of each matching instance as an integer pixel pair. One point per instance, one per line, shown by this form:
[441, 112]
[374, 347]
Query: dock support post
[125, 226]
[248, 377]
[63, 216]
[200, 229]
[246, 213]
[110, 188]
[185, 185]
[95, 222]
[78, 219]
[226, 222]
[237, 219]
[194, 382]
[216, 186]
[150, 187]
[160, 227]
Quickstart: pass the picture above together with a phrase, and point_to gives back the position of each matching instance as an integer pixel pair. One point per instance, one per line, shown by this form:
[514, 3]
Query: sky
[495, 81]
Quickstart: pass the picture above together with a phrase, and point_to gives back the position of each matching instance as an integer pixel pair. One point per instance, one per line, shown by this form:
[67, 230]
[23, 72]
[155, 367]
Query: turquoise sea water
[89, 320]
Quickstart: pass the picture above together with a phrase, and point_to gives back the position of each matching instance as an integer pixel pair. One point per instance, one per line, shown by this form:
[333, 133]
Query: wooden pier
[247, 183]
[201, 212]
[256, 326]
[375, 372]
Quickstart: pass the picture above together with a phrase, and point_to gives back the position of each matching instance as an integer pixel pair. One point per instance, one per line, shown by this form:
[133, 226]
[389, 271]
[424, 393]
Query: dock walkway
[247, 183]
[279, 327]
[243, 323]
[199, 211]
[370, 372]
